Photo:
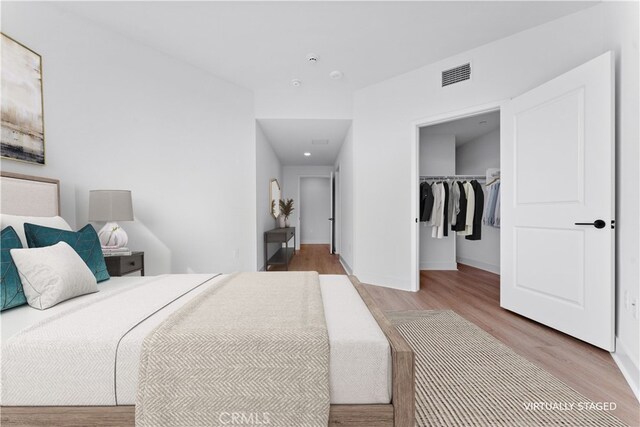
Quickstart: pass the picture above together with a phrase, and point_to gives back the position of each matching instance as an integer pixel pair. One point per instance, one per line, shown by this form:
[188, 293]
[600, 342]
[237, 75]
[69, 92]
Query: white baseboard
[427, 265]
[628, 367]
[479, 264]
[345, 265]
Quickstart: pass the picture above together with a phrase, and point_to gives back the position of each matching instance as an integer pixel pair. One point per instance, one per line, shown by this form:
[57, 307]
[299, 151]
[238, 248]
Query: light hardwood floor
[475, 294]
[313, 258]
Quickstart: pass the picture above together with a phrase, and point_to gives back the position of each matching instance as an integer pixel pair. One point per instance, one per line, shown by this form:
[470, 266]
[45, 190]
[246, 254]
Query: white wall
[307, 101]
[121, 115]
[291, 188]
[315, 209]
[622, 27]
[383, 114]
[478, 155]
[437, 157]
[345, 163]
[268, 167]
[474, 158]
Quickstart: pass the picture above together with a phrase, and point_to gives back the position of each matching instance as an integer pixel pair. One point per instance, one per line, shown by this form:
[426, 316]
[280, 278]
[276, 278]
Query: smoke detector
[296, 82]
[336, 75]
[312, 58]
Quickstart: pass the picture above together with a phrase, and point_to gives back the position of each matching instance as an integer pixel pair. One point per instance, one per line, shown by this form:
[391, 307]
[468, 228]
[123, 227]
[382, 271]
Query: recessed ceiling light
[312, 58]
[307, 154]
[336, 75]
[296, 82]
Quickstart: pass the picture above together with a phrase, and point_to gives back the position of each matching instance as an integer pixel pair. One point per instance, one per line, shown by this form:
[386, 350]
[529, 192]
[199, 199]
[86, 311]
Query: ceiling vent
[320, 141]
[456, 75]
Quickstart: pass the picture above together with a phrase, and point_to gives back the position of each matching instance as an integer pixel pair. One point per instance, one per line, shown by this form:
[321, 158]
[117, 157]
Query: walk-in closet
[460, 194]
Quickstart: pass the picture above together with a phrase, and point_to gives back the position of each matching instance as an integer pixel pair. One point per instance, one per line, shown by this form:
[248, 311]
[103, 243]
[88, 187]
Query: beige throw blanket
[252, 351]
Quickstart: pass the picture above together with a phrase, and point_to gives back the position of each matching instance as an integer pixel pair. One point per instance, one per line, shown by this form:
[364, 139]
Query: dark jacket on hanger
[462, 215]
[477, 215]
[446, 209]
[426, 201]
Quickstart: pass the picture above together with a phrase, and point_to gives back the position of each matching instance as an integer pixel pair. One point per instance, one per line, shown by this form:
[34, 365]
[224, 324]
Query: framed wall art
[22, 107]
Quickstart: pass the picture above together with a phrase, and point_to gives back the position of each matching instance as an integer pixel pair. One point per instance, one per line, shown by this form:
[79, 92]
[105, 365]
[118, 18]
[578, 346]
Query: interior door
[332, 214]
[557, 207]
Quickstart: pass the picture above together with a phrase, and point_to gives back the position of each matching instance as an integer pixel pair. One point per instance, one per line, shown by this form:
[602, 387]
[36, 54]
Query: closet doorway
[556, 205]
[459, 167]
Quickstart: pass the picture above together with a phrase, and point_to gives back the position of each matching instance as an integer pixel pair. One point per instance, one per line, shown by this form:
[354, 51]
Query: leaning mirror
[275, 196]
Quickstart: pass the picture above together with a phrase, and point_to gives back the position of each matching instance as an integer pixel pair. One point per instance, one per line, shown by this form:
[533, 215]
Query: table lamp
[111, 206]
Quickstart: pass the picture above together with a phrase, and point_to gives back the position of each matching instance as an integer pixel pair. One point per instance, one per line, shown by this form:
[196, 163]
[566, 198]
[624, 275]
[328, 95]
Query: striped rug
[465, 377]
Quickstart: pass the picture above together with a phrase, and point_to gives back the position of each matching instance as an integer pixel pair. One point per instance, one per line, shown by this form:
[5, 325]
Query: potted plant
[286, 209]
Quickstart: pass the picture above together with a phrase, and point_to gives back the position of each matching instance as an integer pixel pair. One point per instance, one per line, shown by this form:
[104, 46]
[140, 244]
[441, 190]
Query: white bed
[85, 351]
[77, 362]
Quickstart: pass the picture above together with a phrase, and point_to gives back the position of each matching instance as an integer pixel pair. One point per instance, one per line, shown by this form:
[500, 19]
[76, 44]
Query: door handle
[330, 219]
[598, 223]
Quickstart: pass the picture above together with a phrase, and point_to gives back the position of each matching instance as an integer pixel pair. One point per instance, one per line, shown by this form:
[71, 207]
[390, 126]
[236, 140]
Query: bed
[370, 365]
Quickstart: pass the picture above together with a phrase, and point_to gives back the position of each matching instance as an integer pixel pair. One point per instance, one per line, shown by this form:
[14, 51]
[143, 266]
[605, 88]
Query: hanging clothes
[437, 231]
[462, 208]
[476, 233]
[496, 214]
[445, 220]
[433, 219]
[490, 210]
[468, 220]
[426, 201]
[454, 204]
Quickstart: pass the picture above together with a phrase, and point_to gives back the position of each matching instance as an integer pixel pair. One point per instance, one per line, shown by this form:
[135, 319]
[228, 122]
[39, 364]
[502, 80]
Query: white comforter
[86, 351]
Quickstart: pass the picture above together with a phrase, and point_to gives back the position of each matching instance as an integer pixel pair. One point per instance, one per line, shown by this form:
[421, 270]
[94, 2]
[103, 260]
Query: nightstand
[120, 265]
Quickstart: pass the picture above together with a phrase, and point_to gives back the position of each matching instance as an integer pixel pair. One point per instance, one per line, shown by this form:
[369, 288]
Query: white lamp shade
[110, 205]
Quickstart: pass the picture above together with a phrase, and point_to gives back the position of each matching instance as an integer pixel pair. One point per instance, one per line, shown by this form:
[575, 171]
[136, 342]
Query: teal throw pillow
[12, 294]
[84, 241]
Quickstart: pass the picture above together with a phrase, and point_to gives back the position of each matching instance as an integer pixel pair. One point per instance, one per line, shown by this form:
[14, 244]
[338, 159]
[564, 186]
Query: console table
[283, 254]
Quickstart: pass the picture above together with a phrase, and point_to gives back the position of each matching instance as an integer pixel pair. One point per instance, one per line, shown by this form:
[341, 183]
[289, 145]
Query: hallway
[314, 258]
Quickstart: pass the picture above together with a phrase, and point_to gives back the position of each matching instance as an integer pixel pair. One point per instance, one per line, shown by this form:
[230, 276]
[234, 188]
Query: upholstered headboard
[29, 195]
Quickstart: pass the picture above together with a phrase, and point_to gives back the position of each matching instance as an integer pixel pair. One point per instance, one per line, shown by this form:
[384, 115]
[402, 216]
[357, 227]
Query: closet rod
[458, 177]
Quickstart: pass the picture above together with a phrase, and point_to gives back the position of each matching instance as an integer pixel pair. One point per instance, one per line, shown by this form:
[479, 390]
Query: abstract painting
[21, 103]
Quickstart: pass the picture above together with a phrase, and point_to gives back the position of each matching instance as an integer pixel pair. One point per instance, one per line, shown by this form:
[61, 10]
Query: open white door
[557, 158]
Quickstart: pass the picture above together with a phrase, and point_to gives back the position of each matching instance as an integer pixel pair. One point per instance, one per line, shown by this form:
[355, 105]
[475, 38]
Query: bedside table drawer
[119, 265]
[130, 263]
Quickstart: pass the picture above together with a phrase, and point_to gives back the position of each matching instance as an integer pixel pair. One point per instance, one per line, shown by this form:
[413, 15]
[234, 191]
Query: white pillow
[52, 274]
[17, 222]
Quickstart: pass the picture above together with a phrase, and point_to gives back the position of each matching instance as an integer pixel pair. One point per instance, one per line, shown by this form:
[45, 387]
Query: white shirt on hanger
[438, 228]
[454, 202]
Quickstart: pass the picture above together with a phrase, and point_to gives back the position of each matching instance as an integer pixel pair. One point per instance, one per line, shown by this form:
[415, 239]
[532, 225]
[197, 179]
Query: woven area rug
[465, 377]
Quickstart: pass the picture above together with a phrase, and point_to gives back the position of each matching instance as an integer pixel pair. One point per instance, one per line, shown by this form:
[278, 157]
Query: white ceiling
[466, 129]
[260, 45]
[290, 138]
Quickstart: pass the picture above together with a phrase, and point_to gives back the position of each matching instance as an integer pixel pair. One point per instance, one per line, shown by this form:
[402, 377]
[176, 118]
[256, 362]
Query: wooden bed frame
[399, 413]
